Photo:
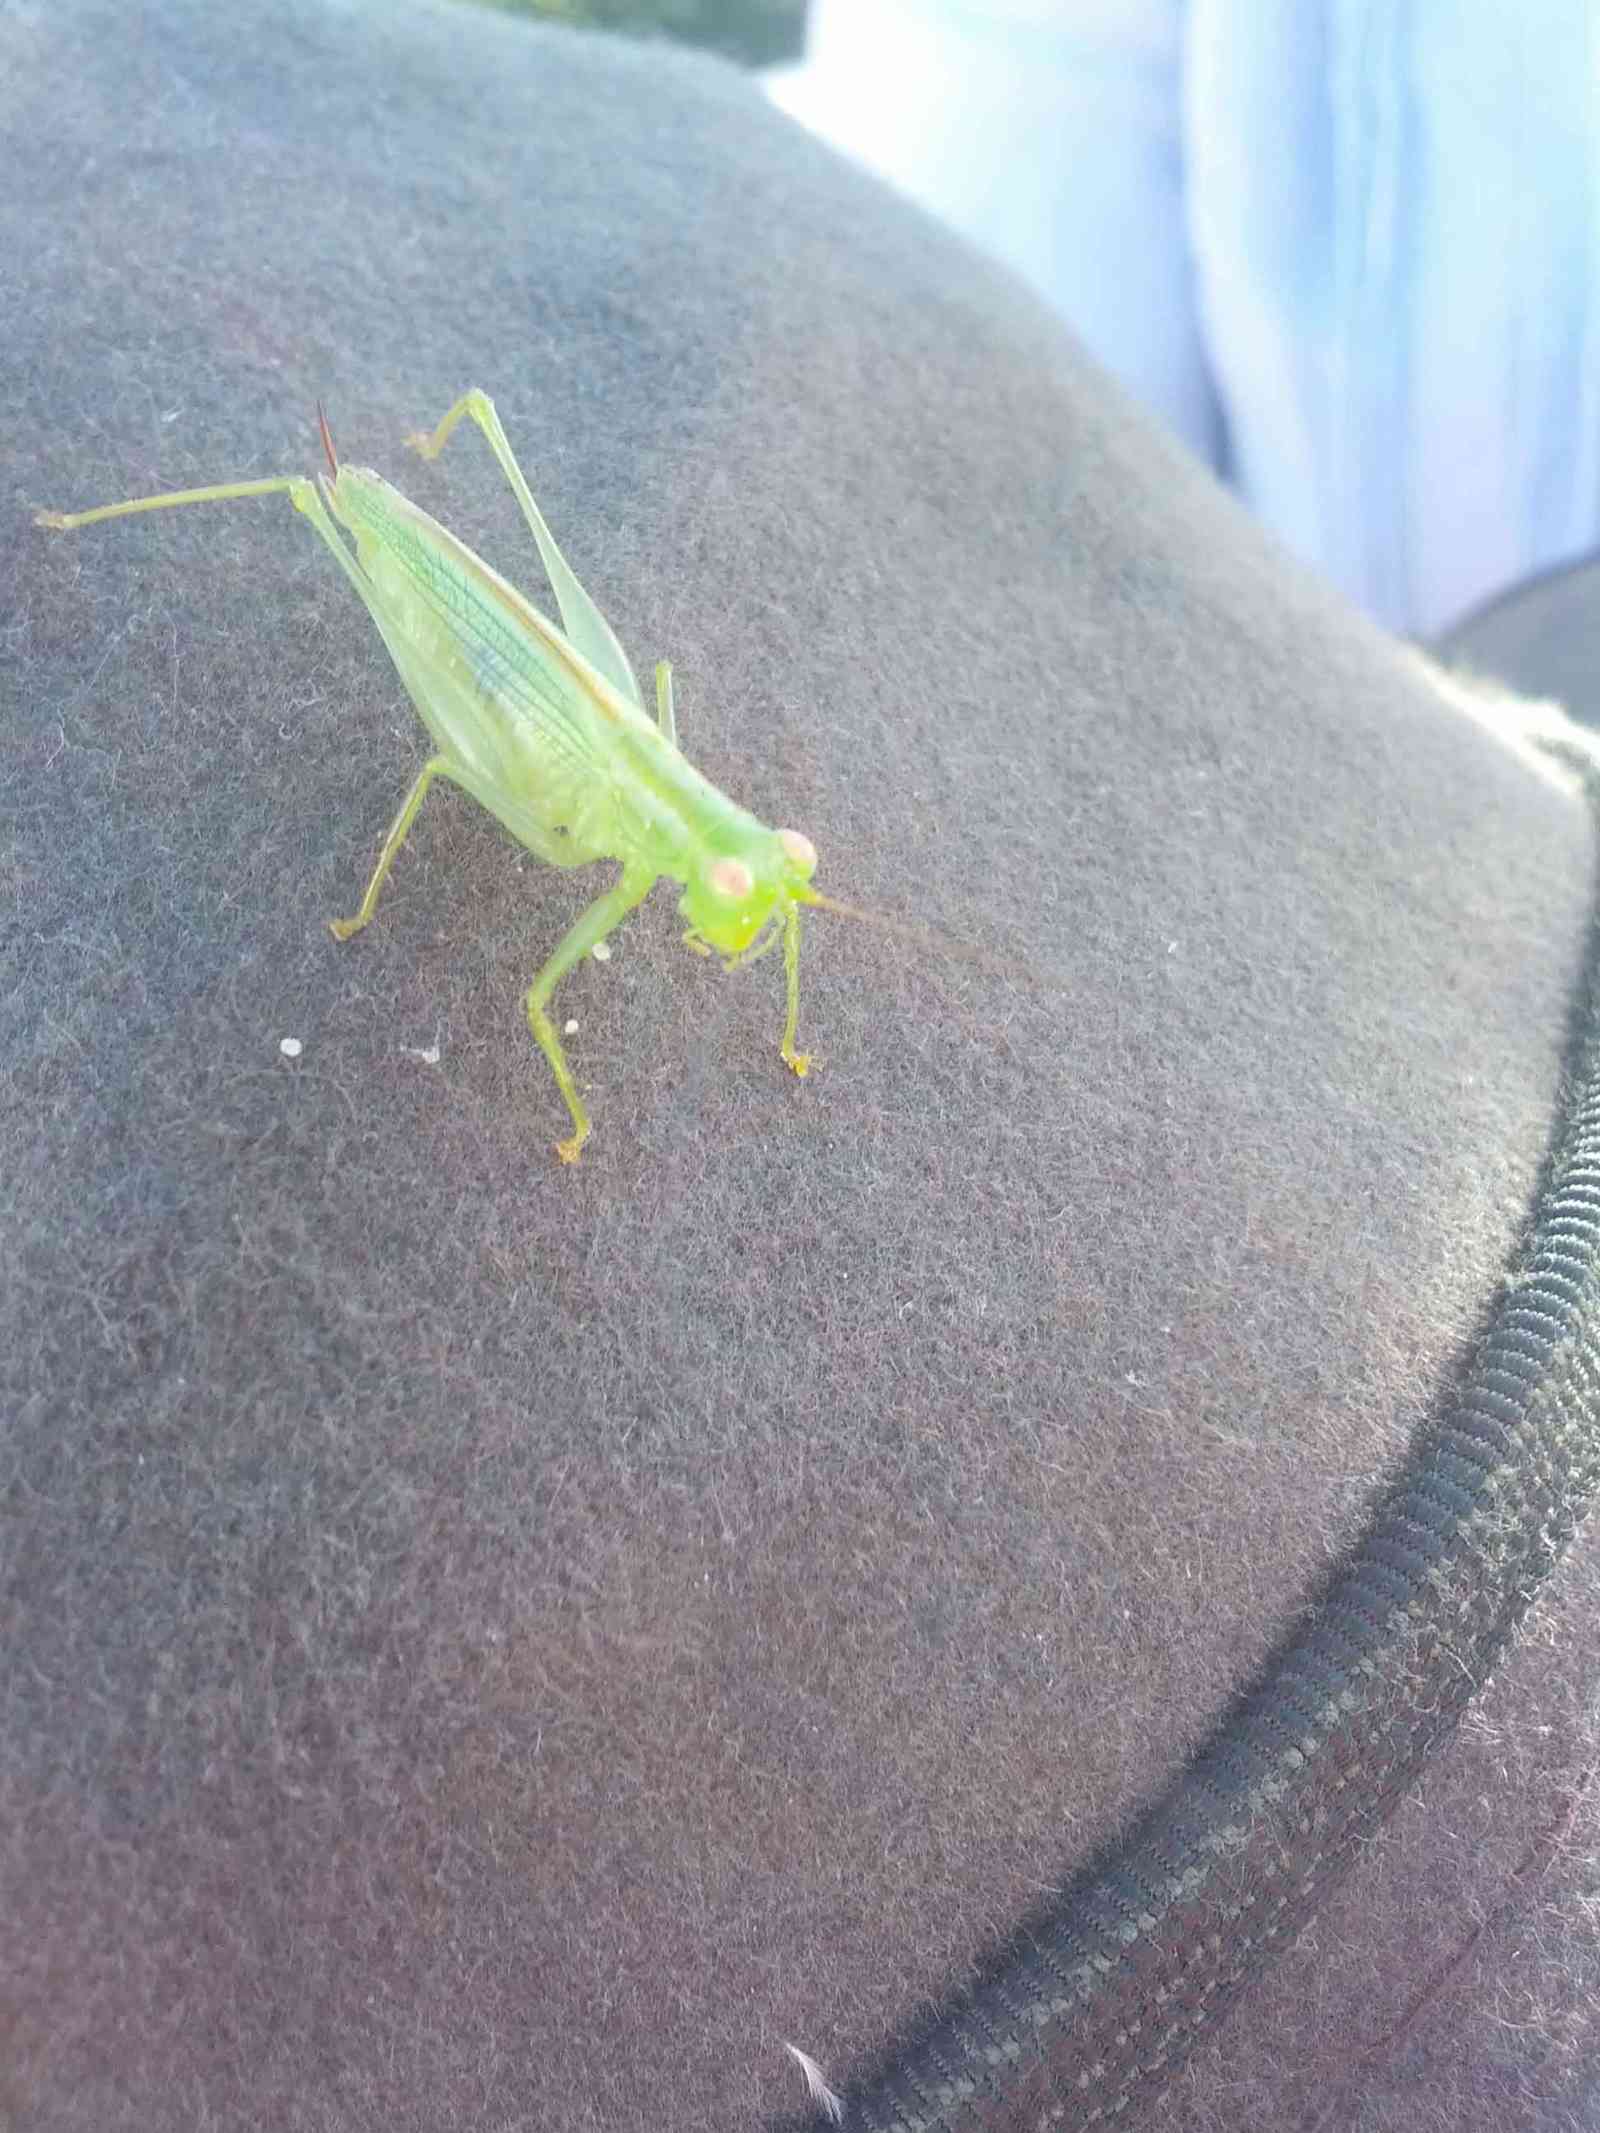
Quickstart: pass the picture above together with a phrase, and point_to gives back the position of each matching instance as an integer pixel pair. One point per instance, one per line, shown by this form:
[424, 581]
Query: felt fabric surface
[485, 1644]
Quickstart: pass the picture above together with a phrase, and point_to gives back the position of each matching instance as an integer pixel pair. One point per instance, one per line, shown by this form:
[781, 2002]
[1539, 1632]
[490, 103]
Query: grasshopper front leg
[602, 917]
[799, 1061]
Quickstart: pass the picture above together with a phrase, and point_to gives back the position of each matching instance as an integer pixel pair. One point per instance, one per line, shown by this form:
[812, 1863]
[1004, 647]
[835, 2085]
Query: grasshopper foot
[568, 1150]
[343, 928]
[800, 1062]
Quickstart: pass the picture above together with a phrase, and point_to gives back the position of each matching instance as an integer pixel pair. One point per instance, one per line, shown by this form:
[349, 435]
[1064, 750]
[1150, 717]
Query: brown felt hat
[1041, 1566]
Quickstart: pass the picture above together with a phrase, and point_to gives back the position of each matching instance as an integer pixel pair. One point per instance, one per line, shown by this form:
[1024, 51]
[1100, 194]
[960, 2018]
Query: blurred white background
[1348, 249]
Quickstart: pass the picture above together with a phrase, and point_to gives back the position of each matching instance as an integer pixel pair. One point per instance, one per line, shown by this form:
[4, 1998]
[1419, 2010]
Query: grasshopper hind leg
[666, 717]
[580, 618]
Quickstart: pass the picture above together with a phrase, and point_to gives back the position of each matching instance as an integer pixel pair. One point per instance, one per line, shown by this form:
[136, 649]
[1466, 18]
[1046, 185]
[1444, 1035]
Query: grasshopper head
[736, 895]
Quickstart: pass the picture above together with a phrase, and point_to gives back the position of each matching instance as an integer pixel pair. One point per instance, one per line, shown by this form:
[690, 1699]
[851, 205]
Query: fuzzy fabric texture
[483, 1644]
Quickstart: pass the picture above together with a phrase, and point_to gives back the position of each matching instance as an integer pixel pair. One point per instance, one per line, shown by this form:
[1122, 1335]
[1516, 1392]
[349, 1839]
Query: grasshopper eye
[730, 878]
[798, 849]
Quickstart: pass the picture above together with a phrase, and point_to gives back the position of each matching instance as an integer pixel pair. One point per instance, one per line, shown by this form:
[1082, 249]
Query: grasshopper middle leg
[602, 917]
[399, 829]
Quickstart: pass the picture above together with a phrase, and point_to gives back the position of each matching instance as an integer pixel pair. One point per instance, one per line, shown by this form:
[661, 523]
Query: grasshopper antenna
[905, 930]
[327, 441]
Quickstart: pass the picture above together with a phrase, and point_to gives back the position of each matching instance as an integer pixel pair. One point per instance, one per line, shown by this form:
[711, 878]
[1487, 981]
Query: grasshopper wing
[526, 722]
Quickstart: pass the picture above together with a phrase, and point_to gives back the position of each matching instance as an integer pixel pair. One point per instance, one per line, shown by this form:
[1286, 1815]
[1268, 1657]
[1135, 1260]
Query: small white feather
[825, 2099]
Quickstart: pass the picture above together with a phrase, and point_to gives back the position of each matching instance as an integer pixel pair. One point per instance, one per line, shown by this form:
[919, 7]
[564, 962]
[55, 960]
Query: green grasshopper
[545, 727]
